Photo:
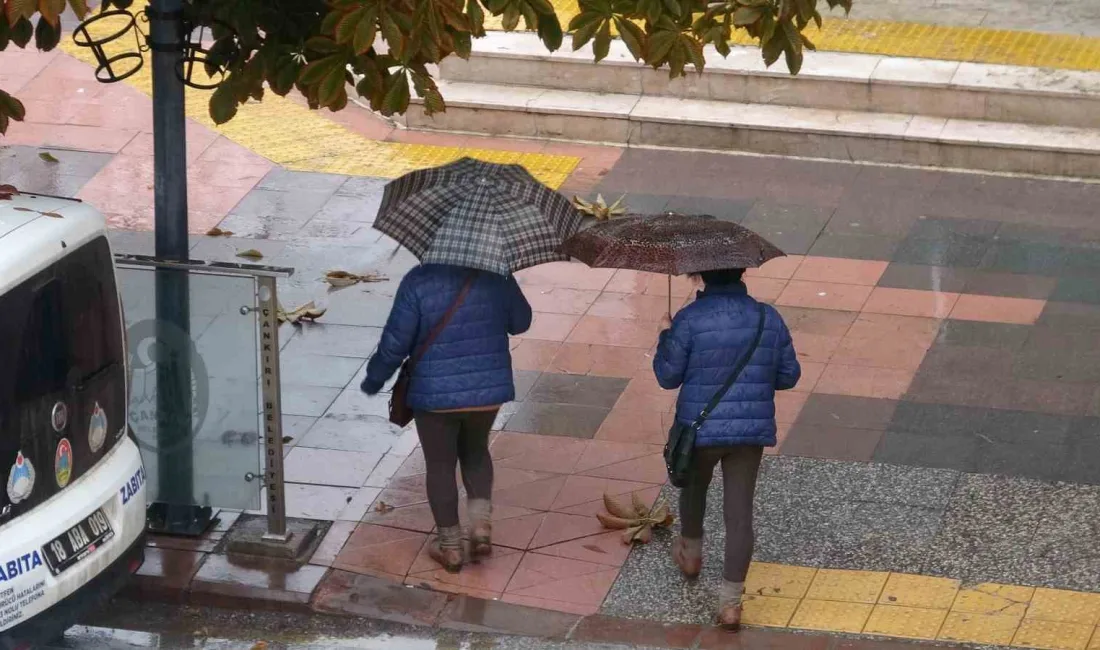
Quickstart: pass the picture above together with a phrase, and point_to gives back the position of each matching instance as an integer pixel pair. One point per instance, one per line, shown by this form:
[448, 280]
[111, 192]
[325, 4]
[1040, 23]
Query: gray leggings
[740, 466]
[450, 439]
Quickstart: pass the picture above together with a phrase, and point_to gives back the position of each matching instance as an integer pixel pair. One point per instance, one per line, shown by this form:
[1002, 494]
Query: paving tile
[909, 302]
[952, 250]
[599, 360]
[811, 373]
[765, 289]
[567, 275]
[778, 580]
[537, 494]
[850, 412]
[1020, 311]
[353, 434]
[996, 629]
[606, 629]
[1057, 605]
[714, 638]
[840, 271]
[333, 542]
[167, 571]
[1011, 285]
[598, 330]
[248, 579]
[553, 388]
[380, 550]
[1053, 635]
[788, 404]
[630, 306]
[319, 370]
[550, 327]
[537, 453]
[939, 420]
[855, 246]
[905, 448]
[651, 284]
[905, 622]
[490, 574]
[923, 277]
[1026, 257]
[822, 441]
[558, 527]
[862, 381]
[847, 586]
[330, 467]
[606, 548]
[831, 616]
[557, 419]
[358, 342]
[603, 453]
[558, 300]
[477, 615]
[1002, 336]
[626, 425]
[1076, 289]
[345, 593]
[919, 591]
[533, 355]
[823, 295]
[577, 609]
[724, 209]
[780, 268]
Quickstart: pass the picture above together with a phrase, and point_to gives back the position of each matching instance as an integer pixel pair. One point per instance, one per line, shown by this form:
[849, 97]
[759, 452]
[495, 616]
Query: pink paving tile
[994, 309]
[824, 295]
[631, 306]
[647, 469]
[198, 139]
[653, 284]
[811, 372]
[647, 495]
[559, 527]
[401, 498]
[534, 355]
[517, 532]
[633, 400]
[598, 330]
[910, 302]
[607, 548]
[814, 348]
[840, 270]
[333, 542]
[556, 605]
[627, 425]
[217, 176]
[417, 518]
[861, 381]
[491, 574]
[781, 268]
[559, 300]
[578, 490]
[25, 62]
[448, 588]
[381, 550]
[788, 404]
[509, 477]
[536, 569]
[551, 327]
[568, 275]
[886, 341]
[765, 289]
[536, 495]
[601, 453]
[538, 453]
[598, 360]
[588, 589]
[822, 322]
[69, 136]
[13, 83]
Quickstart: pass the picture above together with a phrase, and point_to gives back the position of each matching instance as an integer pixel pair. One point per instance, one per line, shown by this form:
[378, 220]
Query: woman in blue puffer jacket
[456, 388]
[697, 354]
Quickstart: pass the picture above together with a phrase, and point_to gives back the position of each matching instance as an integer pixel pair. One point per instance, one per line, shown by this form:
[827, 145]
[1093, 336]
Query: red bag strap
[442, 324]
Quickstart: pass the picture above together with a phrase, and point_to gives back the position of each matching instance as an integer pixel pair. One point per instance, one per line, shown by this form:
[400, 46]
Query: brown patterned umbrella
[674, 244]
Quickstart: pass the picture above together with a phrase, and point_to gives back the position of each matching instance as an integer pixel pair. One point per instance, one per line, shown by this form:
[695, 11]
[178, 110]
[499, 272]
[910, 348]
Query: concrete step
[900, 138]
[847, 82]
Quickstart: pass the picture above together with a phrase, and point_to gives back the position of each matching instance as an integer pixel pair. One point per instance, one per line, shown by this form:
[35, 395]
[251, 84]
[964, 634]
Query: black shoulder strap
[744, 361]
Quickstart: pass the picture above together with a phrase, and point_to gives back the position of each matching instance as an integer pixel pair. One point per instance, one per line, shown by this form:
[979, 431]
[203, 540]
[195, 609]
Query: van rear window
[62, 352]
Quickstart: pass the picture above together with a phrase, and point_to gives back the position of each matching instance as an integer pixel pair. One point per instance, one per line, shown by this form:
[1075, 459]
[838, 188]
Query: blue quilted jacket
[469, 364]
[697, 354]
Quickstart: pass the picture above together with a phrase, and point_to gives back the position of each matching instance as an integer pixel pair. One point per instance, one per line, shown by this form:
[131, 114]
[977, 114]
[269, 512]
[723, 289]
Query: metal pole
[273, 410]
[174, 391]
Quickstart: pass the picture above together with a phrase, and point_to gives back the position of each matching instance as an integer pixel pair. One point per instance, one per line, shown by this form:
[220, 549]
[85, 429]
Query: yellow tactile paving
[831, 616]
[1053, 635]
[847, 586]
[952, 43]
[291, 135]
[1065, 606]
[778, 580]
[768, 611]
[919, 591]
[905, 622]
[989, 598]
[995, 629]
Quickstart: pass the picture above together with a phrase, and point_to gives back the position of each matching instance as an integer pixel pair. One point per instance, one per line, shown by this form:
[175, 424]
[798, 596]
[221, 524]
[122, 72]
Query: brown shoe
[481, 539]
[450, 558]
[729, 617]
[690, 563]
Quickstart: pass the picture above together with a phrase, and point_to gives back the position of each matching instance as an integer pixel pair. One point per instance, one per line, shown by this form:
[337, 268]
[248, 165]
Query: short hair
[721, 277]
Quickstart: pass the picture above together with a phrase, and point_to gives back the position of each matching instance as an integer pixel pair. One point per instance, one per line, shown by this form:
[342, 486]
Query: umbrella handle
[670, 296]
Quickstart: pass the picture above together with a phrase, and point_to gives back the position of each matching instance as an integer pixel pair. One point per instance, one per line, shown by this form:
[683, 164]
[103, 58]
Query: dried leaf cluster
[599, 208]
[339, 279]
[308, 311]
[637, 520]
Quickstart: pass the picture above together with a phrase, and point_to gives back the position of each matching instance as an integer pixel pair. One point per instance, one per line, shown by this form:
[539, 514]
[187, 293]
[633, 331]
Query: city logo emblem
[97, 429]
[59, 417]
[20, 479]
[63, 463]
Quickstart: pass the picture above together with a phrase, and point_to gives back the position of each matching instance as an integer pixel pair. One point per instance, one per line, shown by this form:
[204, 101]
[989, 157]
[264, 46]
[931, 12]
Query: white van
[72, 510]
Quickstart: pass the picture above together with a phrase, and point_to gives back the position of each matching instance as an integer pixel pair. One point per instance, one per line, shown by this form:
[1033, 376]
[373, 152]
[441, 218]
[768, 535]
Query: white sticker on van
[20, 479]
[97, 429]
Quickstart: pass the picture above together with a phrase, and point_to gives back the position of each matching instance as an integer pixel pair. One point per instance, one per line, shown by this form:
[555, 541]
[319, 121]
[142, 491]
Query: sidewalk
[943, 436]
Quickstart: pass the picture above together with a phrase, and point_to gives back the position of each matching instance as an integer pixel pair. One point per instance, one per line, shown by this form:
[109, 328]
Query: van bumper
[48, 625]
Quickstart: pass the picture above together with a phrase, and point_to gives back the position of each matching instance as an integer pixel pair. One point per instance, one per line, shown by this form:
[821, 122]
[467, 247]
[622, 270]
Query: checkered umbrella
[478, 215]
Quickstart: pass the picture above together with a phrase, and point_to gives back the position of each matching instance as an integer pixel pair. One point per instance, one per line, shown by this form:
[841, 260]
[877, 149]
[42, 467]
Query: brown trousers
[740, 466]
[456, 438]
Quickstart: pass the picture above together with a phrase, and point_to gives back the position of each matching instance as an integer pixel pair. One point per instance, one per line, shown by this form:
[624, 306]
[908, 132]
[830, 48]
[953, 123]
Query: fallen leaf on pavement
[48, 157]
[308, 311]
[339, 279]
[637, 521]
[6, 192]
[251, 254]
[218, 232]
[383, 507]
[53, 215]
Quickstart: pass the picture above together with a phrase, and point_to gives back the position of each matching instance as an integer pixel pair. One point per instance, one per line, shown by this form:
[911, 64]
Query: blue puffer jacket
[469, 364]
[697, 354]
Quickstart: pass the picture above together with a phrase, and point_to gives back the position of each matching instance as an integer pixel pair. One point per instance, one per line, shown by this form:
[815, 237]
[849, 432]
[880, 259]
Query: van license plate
[78, 542]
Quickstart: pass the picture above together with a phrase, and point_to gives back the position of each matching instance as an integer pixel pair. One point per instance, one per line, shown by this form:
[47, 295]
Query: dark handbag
[681, 437]
[400, 413]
